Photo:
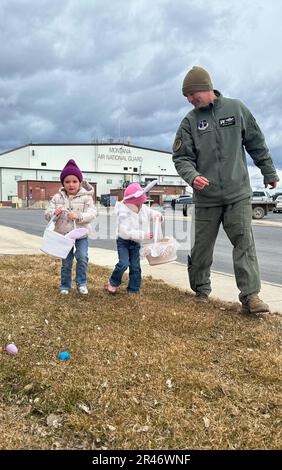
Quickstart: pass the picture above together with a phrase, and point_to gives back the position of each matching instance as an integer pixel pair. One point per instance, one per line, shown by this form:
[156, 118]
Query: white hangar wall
[18, 158]
[9, 178]
[109, 165]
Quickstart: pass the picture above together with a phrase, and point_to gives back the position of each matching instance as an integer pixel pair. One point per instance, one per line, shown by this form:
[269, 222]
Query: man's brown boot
[254, 305]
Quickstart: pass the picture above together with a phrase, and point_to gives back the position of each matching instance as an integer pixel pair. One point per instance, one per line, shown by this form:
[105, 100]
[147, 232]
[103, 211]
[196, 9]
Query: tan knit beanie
[197, 79]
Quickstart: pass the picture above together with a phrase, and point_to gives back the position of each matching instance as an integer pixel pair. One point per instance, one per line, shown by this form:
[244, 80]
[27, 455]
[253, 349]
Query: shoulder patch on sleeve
[177, 144]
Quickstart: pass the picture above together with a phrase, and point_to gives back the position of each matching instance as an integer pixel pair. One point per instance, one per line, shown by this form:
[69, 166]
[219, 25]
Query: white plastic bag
[56, 244]
[163, 250]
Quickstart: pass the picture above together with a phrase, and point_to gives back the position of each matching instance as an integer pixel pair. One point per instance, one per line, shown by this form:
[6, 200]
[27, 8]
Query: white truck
[262, 203]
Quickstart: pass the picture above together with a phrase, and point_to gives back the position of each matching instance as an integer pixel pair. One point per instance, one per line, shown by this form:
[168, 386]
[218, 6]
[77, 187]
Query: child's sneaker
[202, 297]
[111, 289]
[64, 291]
[83, 290]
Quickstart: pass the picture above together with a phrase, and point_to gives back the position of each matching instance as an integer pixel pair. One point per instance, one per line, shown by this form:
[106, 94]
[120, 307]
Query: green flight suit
[211, 142]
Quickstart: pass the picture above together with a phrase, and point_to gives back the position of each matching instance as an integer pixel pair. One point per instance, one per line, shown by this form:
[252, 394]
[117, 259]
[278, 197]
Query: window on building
[32, 153]
[125, 168]
[109, 181]
[135, 170]
[43, 164]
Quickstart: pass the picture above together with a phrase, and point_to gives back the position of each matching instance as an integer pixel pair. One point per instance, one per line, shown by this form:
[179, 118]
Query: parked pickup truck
[182, 203]
[262, 203]
[278, 207]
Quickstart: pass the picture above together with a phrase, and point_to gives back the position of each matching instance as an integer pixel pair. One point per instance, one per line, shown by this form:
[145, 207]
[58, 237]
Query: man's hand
[200, 182]
[272, 185]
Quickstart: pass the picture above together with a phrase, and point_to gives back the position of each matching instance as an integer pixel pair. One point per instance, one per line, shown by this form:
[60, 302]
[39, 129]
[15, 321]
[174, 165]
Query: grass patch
[155, 371]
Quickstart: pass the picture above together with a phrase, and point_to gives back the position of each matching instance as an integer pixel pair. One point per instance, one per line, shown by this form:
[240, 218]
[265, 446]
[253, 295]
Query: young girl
[73, 205]
[133, 226]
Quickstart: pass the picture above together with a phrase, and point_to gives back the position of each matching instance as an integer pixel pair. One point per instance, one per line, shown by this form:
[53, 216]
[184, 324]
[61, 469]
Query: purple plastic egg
[11, 348]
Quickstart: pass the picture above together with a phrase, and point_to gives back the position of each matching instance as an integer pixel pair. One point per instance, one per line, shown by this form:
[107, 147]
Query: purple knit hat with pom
[71, 168]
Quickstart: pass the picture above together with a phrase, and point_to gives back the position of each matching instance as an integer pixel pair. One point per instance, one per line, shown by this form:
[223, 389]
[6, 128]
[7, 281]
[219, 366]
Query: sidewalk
[16, 242]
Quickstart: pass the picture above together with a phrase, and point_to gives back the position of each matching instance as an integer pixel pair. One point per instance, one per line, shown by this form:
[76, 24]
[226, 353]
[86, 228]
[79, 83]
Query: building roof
[94, 144]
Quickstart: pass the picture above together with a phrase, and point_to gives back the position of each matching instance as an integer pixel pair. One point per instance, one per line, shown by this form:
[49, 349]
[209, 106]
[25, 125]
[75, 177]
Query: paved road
[268, 238]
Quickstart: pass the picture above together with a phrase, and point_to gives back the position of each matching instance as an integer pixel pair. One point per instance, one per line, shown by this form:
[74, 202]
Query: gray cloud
[71, 71]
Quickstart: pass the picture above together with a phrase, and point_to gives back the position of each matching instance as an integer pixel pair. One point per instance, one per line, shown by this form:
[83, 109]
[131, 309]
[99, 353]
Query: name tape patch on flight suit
[228, 121]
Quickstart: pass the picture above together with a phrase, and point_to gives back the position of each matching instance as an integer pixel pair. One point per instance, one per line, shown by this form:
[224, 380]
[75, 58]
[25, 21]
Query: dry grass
[155, 371]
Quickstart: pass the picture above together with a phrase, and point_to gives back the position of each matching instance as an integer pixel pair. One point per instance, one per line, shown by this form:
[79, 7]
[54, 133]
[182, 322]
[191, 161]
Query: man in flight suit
[209, 154]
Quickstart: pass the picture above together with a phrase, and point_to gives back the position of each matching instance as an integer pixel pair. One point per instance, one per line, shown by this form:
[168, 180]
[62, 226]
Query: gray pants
[236, 220]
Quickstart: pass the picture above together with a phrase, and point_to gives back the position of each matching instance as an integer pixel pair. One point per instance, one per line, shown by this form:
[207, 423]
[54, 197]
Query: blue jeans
[81, 255]
[129, 256]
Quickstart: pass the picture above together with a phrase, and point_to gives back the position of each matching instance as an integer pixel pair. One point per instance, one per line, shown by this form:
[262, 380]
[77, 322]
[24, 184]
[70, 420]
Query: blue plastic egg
[64, 356]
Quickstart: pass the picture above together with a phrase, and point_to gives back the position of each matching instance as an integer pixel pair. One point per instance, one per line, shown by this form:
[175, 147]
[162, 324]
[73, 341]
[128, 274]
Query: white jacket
[134, 225]
[82, 203]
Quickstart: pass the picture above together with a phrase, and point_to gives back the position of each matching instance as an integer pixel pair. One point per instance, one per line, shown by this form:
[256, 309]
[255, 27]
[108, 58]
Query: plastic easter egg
[77, 233]
[11, 349]
[64, 356]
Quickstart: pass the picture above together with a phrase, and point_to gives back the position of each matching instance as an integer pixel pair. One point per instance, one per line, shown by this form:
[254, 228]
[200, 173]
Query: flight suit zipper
[217, 139]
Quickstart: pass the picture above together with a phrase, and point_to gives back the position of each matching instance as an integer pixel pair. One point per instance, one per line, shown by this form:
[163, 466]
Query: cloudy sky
[77, 70]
